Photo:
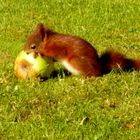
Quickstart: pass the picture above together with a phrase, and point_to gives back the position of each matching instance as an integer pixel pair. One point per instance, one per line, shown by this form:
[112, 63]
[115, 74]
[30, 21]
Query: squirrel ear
[39, 26]
[41, 29]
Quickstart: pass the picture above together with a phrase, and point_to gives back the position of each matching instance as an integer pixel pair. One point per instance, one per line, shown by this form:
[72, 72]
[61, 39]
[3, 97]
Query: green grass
[70, 108]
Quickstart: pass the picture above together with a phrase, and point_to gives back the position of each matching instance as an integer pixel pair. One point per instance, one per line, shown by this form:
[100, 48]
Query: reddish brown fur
[77, 52]
[112, 59]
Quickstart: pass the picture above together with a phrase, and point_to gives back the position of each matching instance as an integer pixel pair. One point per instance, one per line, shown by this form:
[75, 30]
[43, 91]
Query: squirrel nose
[27, 52]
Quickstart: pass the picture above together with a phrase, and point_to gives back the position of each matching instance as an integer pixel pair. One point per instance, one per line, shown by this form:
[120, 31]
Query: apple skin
[31, 65]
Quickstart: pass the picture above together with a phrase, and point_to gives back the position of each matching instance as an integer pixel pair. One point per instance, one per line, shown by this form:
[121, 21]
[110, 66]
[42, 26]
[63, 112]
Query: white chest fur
[69, 67]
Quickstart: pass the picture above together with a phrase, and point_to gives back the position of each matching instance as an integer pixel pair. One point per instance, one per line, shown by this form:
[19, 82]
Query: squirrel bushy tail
[112, 59]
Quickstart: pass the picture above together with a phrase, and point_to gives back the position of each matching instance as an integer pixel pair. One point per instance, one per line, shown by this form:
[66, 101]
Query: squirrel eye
[33, 46]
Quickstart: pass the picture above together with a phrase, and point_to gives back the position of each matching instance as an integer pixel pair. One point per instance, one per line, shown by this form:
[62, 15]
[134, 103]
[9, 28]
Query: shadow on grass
[61, 73]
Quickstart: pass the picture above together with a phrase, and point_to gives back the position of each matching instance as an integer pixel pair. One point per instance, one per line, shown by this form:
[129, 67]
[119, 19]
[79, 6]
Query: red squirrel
[76, 54]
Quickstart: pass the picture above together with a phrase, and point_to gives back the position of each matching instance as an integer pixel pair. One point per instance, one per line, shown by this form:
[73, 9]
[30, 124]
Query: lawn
[70, 107]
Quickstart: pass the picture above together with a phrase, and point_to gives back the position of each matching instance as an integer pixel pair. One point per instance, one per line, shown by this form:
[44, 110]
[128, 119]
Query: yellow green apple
[31, 65]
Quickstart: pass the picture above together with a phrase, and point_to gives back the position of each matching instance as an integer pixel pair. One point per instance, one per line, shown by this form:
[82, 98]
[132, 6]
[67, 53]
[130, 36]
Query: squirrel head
[35, 39]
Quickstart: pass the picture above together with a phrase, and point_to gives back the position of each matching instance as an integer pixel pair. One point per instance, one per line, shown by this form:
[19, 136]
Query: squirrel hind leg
[78, 66]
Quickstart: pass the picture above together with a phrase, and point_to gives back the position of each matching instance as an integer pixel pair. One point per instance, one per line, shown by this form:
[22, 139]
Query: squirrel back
[76, 54]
